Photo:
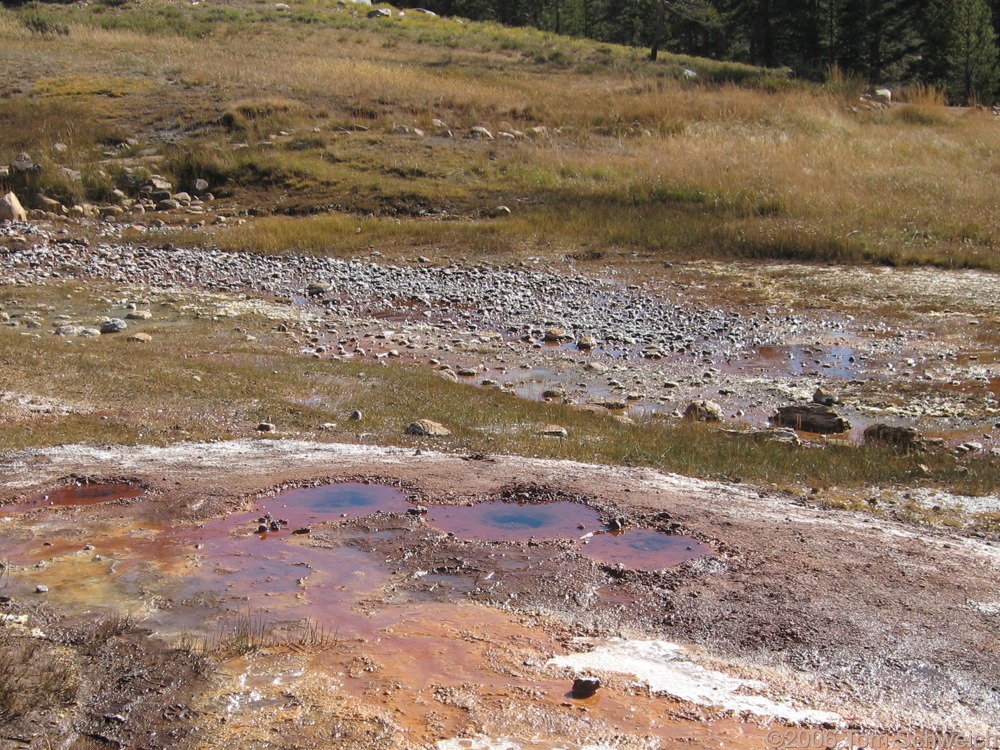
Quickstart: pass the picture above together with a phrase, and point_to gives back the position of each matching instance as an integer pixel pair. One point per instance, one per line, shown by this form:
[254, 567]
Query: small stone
[584, 687]
[417, 510]
[41, 589]
[139, 315]
[427, 428]
[586, 343]
[265, 427]
[554, 430]
[318, 288]
[824, 397]
[356, 415]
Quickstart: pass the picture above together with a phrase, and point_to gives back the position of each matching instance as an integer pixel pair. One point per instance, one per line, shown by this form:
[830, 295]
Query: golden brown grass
[631, 156]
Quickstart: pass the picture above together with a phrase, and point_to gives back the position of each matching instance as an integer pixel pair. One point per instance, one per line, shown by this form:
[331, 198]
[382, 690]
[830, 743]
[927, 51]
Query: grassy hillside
[304, 120]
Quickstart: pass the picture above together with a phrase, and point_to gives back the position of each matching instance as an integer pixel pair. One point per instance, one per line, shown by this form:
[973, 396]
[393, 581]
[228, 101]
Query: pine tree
[973, 69]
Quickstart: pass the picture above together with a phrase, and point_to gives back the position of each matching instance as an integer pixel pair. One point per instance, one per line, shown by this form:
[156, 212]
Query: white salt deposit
[668, 668]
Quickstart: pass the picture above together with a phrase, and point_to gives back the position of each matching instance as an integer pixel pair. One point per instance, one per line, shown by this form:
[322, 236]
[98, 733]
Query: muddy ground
[891, 628]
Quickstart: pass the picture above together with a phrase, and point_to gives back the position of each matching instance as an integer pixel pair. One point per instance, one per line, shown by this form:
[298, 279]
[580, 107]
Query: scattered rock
[584, 687]
[480, 132]
[156, 182]
[319, 288]
[971, 446]
[614, 404]
[586, 343]
[554, 430]
[266, 427]
[427, 428]
[824, 397]
[703, 410]
[500, 212]
[380, 13]
[554, 335]
[113, 325]
[41, 589]
[356, 415]
[24, 163]
[140, 338]
[417, 510]
[48, 204]
[11, 208]
[139, 315]
[811, 418]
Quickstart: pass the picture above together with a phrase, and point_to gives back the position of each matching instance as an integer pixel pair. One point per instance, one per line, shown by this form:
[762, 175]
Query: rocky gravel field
[644, 344]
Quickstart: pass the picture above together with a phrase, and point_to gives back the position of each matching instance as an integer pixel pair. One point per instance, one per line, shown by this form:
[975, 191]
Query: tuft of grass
[34, 675]
[249, 632]
[39, 22]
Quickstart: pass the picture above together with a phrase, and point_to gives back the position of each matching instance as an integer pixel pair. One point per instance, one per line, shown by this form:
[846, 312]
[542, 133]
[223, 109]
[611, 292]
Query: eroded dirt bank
[882, 624]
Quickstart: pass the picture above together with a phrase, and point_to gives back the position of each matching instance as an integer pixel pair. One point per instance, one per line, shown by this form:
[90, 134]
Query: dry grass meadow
[297, 113]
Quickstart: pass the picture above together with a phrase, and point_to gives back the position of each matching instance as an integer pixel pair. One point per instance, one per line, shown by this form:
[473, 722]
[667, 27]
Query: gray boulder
[703, 410]
[113, 325]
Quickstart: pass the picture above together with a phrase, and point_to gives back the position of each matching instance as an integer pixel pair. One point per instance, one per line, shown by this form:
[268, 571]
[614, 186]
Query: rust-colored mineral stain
[511, 522]
[82, 494]
[644, 549]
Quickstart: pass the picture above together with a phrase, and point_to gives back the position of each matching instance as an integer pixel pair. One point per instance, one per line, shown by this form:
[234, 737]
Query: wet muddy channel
[920, 378]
